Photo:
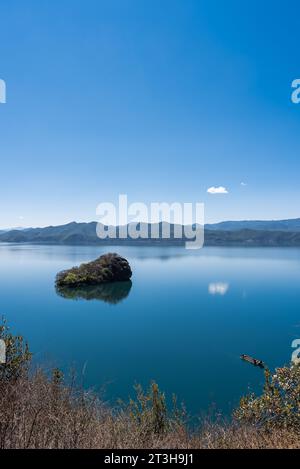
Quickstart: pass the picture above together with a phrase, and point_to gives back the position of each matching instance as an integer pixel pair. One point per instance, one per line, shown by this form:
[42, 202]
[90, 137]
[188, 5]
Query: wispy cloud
[244, 184]
[217, 190]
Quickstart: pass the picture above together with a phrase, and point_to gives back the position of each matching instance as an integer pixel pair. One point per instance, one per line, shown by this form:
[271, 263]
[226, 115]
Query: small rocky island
[107, 268]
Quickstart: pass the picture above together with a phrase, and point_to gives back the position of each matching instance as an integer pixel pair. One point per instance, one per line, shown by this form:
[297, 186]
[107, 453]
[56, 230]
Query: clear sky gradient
[157, 99]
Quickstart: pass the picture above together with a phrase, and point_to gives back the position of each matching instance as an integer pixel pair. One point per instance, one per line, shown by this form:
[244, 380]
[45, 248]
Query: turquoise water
[183, 322]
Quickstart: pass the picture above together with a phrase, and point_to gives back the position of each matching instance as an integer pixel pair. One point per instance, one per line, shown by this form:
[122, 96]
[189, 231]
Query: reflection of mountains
[109, 292]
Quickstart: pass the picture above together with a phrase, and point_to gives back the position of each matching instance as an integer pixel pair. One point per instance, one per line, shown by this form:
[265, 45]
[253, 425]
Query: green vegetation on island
[107, 268]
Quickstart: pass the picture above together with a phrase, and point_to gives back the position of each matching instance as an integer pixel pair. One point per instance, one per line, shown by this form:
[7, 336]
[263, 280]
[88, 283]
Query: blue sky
[157, 99]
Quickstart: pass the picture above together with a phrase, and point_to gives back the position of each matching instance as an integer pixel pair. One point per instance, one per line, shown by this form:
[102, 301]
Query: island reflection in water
[111, 293]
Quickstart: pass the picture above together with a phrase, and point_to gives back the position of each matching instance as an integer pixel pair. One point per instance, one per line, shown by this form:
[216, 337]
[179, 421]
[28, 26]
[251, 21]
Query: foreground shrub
[279, 405]
[150, 413]
[18, 356]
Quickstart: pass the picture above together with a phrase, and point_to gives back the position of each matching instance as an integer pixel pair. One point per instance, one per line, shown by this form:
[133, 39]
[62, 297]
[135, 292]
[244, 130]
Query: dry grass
[38, 412]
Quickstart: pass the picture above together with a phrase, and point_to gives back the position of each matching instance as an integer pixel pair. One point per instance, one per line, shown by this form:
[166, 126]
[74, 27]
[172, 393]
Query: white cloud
[217, 190]
[244, 184]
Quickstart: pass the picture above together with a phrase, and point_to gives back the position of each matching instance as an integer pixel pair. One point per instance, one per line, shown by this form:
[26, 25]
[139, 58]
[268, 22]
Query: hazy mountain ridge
[292, 225]
[85, 234]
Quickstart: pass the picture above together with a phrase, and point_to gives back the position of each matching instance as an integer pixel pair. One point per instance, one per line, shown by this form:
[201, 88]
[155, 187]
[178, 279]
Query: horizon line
[149, 222]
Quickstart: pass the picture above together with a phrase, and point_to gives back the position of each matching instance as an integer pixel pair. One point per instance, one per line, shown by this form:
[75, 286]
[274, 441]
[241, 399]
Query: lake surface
[184, 322]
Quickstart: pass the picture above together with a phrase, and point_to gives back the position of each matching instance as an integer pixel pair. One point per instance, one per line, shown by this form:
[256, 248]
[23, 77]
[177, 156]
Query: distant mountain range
[273, 225]
[4, 230]
[228, 233]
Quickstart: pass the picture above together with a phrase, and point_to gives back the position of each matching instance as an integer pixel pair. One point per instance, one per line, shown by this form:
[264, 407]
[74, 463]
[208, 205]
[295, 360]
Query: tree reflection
[111, 293]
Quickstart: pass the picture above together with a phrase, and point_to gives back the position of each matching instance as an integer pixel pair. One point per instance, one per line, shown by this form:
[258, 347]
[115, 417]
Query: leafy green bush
[149, 411]
[279, 405]
[18, 356]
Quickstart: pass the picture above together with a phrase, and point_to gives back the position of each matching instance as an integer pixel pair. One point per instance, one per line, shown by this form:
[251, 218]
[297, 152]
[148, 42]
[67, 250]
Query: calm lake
[183, 322]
